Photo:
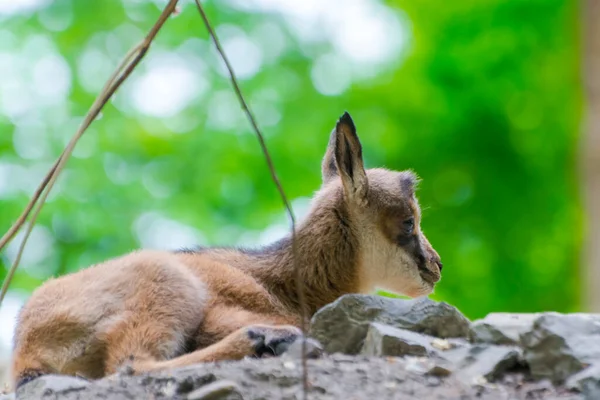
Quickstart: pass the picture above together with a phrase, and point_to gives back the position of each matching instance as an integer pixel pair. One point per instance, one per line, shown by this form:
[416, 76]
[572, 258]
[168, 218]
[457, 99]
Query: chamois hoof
[126, 368]
[272, 341]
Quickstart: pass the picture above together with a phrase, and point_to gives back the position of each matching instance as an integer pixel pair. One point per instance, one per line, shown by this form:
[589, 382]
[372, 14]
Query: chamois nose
[440, 265]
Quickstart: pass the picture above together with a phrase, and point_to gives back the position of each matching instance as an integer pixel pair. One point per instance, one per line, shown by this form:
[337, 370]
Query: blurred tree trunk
[591, 151]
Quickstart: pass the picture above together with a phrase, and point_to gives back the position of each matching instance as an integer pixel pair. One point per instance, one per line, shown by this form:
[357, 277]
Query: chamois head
[383, 214]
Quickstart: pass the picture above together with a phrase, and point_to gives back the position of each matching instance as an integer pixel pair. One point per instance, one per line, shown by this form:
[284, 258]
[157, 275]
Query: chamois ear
[329, 168]
[344, 159]
[409, 182]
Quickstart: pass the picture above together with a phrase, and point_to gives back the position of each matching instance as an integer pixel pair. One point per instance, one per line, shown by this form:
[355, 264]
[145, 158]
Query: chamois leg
[137, 341]
[254, 340]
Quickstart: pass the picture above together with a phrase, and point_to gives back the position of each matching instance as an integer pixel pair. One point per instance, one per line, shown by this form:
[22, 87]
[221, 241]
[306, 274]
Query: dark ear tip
[346, 119]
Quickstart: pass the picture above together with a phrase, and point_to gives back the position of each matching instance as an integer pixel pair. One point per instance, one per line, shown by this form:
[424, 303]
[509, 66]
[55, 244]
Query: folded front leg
[254, 340]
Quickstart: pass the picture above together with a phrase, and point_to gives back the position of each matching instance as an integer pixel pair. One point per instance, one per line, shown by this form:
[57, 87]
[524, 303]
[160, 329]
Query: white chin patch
[409, 283]
[391, 268]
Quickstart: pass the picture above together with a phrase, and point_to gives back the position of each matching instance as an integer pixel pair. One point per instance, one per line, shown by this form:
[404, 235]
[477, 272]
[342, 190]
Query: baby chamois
[159, 310]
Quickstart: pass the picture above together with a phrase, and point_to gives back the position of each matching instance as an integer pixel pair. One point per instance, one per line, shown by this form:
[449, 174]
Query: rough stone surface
[331, 377]
[219, 390]
[502, 328]
[560, 345]
[313, 349]
[427, 366]
[51, 385]
[384, 340]
[587, 382]
[342, 325]
[471, 364]
[119, 387]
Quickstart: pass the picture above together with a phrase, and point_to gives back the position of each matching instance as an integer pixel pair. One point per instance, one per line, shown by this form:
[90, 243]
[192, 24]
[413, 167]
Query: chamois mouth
[428, 276]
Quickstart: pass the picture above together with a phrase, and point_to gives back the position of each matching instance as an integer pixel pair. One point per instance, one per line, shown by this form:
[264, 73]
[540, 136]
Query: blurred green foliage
[480, 98]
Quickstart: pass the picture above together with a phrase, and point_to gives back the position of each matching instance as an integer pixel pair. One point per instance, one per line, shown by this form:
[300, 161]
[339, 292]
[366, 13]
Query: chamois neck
[325, 255]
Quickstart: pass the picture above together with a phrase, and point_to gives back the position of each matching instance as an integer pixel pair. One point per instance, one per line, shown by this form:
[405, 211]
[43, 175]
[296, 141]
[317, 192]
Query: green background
[481, 98]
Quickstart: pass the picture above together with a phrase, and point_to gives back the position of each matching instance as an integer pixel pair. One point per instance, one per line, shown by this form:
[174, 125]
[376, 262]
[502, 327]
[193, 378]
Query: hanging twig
[265, 151]
[21, 220]
[126, 67]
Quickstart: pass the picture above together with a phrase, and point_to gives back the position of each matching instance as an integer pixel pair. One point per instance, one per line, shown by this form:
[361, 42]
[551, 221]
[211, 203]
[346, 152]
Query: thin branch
[125, 68]
[263, 146]
[21, 220]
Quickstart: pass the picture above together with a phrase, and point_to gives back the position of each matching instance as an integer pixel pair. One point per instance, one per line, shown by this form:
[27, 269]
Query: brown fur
[159, 310]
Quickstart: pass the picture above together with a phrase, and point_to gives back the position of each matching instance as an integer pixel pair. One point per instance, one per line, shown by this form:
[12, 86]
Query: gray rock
[428, 366]
[384, 340]
[313, 349]
[587, 382]
[331, 377]
[52, 385]
[473, 364]
[501, 328]
[219, 390]
[560, 345]
[479, 363]
[342, 325]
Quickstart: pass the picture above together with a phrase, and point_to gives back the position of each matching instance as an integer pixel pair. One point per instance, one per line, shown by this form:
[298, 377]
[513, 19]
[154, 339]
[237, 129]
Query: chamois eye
[409, 225]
